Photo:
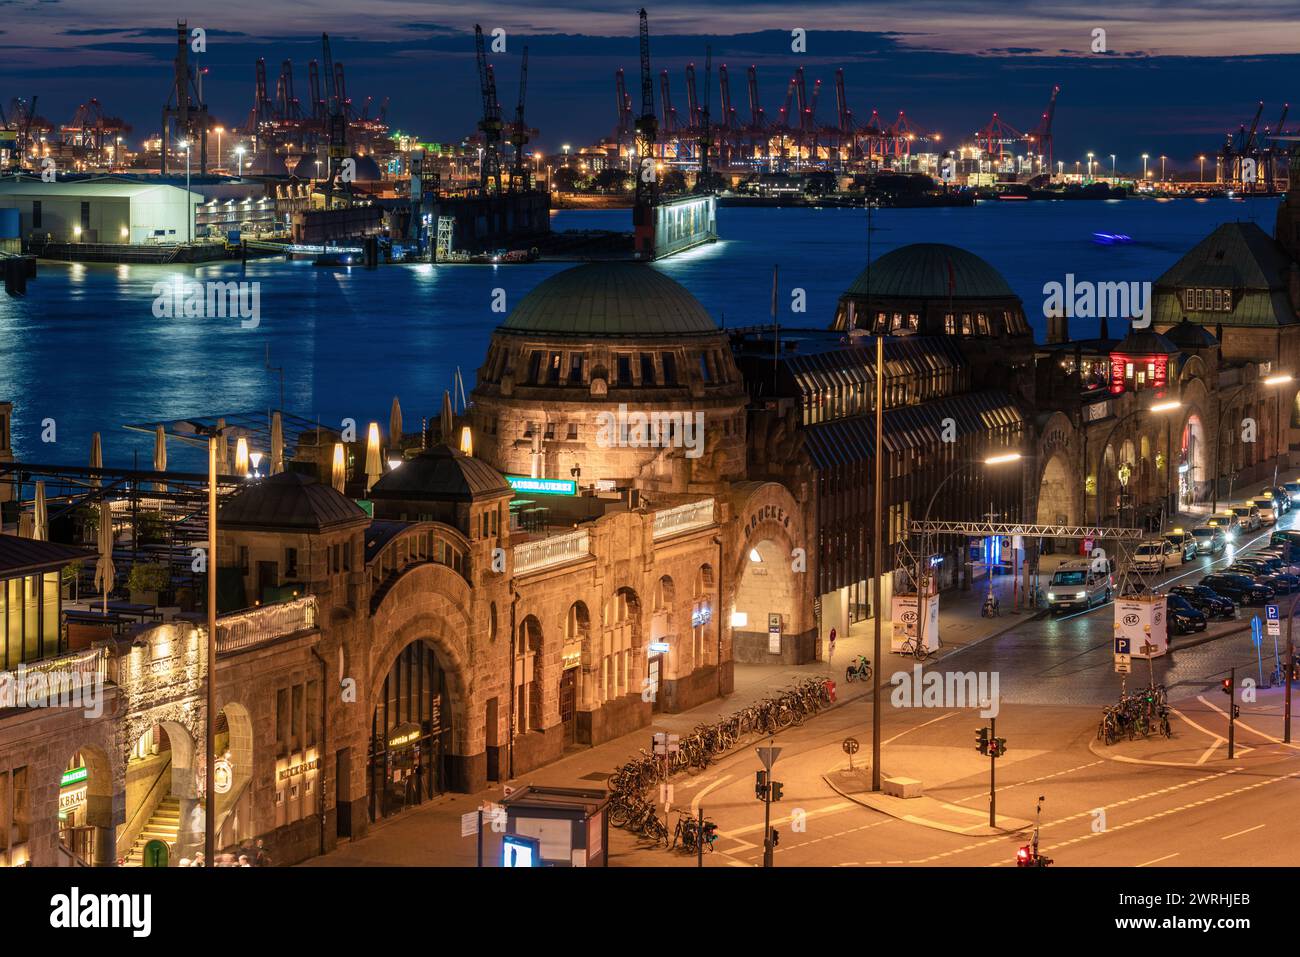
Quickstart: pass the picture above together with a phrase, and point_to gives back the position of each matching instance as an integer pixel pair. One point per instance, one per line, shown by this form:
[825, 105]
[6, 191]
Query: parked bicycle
[687, 832]
[859, 669]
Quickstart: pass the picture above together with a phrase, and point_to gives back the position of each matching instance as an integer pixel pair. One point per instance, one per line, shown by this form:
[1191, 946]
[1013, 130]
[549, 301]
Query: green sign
[542, 486]
[367, 506]
[155, 853]
[75, 776]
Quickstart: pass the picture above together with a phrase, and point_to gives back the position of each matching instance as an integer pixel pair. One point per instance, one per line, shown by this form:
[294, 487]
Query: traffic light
[982, 740]
[1236, 711]
[1226, 686]
[776, 837]
[776, 790]
[760, 785]
[997, 747]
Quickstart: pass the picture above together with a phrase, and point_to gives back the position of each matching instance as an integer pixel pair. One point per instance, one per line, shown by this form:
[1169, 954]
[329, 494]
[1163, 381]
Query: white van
[1156, 555]
[1079, 584]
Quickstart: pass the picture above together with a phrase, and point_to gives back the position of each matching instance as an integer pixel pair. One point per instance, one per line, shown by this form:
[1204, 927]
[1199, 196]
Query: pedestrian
[198, 860]
[243, 861]
[261, 858]
[830, 659]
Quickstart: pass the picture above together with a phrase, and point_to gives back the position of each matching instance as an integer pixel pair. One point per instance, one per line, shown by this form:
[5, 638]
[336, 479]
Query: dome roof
[611, 299]
[442, 474]
[930, 271]
[289, 500]
[1146, 342]
[1190, 335]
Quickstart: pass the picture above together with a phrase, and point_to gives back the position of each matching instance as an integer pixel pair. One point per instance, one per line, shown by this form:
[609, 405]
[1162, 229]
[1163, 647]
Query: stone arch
[1058, 492]
[86, 825]
[1192, 461]
[622, 666]
[772, 524]
[530, 672]
[703, 617]
[578, 654]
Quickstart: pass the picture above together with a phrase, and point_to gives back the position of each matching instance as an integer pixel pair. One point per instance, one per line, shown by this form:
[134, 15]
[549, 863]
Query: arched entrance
[765, 609]
[161, 789]
[577, 647]
[410, 733]
[86, 831]
[231, 788]
[1058, 502]
[1193, 465]
[664, 657]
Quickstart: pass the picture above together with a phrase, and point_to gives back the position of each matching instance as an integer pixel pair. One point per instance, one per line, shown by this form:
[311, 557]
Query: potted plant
[69, 578]
[146, 580]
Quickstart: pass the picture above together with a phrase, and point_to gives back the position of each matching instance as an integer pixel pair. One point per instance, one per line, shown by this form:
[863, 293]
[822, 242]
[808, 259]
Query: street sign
[1123, 664]
[1121, 645]
[850, 745]
[1271, 612]
[1256, 631]
[469, 823]
[1274, 620]
[666, 743]
[768, 756]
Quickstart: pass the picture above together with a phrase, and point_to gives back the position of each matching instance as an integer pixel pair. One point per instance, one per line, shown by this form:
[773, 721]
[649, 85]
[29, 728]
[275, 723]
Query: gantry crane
[490, 124]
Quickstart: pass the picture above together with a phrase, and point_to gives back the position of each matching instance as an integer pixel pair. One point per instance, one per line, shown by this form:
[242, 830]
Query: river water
[85, 349]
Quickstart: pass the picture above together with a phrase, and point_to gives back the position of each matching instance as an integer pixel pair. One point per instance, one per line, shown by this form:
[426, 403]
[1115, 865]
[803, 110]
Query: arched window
[701, 615]
[528, 668]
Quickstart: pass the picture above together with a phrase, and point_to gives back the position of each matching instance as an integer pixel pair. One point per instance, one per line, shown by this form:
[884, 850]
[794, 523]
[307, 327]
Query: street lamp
[1163, 177]
[1280, 379]
[219, 131]
[1145, 157]
[921, 577]
[1112, 165]
[189, 207]
[1202, 159]
[1090, 156]
[239, 151]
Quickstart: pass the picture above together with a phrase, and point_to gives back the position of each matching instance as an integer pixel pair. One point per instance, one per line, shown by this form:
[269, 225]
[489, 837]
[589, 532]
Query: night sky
[1175, 78]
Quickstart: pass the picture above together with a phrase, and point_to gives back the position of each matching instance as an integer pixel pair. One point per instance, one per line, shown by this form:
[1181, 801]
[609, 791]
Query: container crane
[519, 132]
[490, 165]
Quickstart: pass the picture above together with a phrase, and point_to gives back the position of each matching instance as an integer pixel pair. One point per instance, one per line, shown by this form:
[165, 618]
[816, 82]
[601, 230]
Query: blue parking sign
[1271, 612]
[1121, 645]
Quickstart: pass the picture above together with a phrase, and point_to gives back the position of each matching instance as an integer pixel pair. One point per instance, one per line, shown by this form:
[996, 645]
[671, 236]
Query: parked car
[1242, 589]
[1286, 536]
[1268, 508]
[1184, 542]
[1206, 599]
[1156, 555]
[1078, 584]
[1210, 539]
[1247, 517]
[1183, 617]
[1288, 559]
[1279, 581]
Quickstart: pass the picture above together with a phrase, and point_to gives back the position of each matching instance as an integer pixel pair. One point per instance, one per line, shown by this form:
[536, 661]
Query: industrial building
[99, 212]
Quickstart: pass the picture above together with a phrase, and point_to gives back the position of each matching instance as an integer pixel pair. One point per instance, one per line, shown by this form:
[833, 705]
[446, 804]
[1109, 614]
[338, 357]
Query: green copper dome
[610, 299]
[930, 271]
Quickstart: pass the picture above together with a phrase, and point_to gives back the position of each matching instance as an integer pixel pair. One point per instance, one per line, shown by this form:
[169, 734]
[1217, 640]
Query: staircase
[163, 825]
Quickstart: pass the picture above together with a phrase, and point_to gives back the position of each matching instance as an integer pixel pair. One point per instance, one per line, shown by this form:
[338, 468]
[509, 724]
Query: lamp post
[239, 152]
[876, 557]
[921, 574]
[1145, 157]
[209, 812]
[189, 206]
[1279, 379]
[219, 131]
[1157, 407]
[1090, 156]
[1202, 160]
[1163, 177]
[1112, 166]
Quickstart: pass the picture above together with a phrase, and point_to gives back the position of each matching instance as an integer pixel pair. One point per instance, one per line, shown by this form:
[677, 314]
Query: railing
[681, 518]
[244, 629]
[555, 550]
[92, 664]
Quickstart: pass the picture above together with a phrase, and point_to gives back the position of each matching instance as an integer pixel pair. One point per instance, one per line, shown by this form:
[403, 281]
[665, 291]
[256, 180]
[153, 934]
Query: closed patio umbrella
[26, 525]
[277, 444]
[338, 470]
[447, 421]
[96, 458]
[374, 468]
[160, 456]
[105, 571]
[40, 518]
[223, 449]
[395, 425]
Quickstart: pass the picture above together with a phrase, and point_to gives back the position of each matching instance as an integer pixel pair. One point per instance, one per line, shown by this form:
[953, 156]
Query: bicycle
[859, 670]
[912, 646]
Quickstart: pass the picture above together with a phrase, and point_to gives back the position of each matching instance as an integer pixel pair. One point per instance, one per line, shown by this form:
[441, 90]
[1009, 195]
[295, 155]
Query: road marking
[1159, 859]
[1243, 724]
[918, 727]
[1239, 833]
[695, 802]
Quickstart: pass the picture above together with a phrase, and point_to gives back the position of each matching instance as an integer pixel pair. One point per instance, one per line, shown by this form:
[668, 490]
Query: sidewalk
[430, 835]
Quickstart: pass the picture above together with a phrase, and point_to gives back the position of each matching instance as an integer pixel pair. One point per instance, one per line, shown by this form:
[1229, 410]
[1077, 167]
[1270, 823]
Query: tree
[614, 180]
[674, 181]
[566, 179]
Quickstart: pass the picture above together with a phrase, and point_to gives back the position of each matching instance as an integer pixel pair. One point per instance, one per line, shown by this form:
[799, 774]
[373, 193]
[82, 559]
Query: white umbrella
[223, 449]
[374, 468]
[160, 456]
[105, 571]
[241, 457]
[277, 445]
[395, 425]
[40, 518]
[338, 471]
[26, 525]
[96, 457]
[447, 420]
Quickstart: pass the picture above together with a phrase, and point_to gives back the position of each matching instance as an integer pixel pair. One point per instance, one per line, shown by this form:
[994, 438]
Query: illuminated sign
[542, 486]
[658, 647]
[72, 799]
[300, 768]
[404, 735]
[701, 616]
[75, 776]
[517, 851]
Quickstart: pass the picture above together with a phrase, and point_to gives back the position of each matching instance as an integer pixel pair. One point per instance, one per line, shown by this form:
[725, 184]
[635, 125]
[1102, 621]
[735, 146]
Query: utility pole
[767, 791]
[987, 742]
[1290, 670]
[1230, 689]
[876, 570]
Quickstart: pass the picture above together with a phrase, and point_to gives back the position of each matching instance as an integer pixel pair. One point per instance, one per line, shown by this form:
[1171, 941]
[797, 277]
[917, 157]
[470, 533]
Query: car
[1261, 568]
[1247, 517]
[1281, 496]
[1183, 617]
[1288, 559]
[1287, 538]
[1185, 543]
[1206, 599]
[1079, 584]
[1156, 555]
[1292, 491]
[1268, 508]
[1210, 539]
[1242, 589]
[1230, 524]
